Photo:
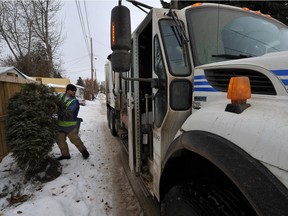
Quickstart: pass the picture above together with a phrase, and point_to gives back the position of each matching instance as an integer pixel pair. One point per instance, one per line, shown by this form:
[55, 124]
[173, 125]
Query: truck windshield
[219, 34]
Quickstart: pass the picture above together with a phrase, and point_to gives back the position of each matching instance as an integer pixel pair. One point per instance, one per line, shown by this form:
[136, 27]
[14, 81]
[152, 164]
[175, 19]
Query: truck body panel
[172, 113]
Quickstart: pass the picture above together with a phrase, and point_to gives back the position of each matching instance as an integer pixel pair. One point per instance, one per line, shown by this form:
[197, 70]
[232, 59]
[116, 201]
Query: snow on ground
[93, 187]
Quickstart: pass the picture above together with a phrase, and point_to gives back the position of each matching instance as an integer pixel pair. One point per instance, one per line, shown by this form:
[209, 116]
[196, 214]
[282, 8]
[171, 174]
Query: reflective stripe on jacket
[65, 120]
[66, 123]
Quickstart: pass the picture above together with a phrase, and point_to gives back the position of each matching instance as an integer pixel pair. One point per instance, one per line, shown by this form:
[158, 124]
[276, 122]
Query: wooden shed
[11, 81]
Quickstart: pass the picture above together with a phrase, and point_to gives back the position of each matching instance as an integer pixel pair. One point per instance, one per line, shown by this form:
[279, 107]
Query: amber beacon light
[239, 91]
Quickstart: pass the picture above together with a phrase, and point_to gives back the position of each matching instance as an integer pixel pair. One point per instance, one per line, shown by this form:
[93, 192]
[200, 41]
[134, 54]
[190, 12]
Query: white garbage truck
[199, 97]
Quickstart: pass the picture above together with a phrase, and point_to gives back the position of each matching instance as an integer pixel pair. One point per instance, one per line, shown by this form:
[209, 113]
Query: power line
[80, 70]
[82, 24]
[102, 44]
[84, 33]
[87, 19]
[75, 61]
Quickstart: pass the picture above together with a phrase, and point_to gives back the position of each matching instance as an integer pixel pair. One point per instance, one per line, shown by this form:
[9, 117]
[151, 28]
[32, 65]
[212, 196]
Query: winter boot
[62, 157]
[85, 154]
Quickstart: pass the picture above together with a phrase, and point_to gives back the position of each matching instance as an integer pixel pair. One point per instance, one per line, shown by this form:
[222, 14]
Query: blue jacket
[67, 119]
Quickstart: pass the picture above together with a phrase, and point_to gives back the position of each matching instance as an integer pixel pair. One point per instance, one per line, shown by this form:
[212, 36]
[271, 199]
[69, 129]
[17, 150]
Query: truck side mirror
[120, 60]
[120, 38]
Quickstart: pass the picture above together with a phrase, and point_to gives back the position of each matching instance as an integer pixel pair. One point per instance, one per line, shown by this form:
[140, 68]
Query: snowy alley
[93, 187]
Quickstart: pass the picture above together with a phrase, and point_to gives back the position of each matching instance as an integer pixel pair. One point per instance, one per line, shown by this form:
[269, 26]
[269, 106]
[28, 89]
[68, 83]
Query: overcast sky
[75, 51]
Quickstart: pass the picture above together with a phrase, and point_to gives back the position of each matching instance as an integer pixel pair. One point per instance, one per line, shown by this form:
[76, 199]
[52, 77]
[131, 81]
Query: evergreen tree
[32, 128]
[80, 82]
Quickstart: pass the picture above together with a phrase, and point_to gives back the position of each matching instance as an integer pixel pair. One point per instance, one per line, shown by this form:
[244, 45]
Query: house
[12, 72]
[80, 95]
[59, 84]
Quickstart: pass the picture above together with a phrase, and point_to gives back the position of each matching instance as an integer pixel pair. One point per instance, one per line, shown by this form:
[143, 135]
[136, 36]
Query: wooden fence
[9, 85]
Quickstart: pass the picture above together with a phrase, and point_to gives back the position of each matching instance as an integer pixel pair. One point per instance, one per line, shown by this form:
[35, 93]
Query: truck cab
[200, 143]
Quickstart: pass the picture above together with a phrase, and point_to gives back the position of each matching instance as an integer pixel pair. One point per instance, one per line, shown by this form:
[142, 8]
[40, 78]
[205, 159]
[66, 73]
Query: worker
[67, 124]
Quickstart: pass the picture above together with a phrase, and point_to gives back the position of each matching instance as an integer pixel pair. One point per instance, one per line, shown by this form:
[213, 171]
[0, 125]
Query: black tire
[112, 123]
[182, 200]
[204, 200]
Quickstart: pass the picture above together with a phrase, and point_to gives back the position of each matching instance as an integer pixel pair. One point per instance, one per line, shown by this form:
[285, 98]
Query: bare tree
[32, 34]
[14, 29]
[90, 92]
[45, 24]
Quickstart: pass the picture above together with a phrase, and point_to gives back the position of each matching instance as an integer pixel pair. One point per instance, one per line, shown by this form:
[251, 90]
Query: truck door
[173, 95]
[162, 98]
[162, 94]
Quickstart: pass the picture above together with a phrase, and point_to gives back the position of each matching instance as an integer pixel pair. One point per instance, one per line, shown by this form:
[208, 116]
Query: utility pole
[92, 69]
[95, 70]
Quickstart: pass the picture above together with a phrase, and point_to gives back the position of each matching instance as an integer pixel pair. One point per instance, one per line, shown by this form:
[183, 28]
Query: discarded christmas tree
[32, 129]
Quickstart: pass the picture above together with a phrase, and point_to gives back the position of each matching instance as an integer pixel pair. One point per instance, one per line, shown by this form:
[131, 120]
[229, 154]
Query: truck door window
[160, 99]
[176, 52]
[180, 94]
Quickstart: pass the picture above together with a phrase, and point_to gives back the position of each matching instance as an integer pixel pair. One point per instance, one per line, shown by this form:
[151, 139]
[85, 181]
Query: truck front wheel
[204, 200]
[183, 200]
